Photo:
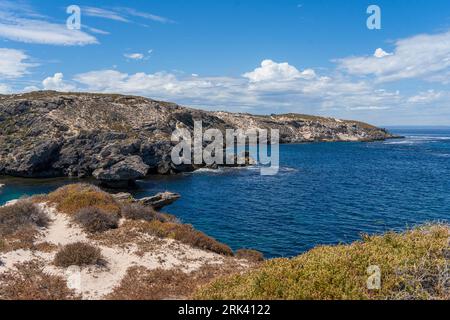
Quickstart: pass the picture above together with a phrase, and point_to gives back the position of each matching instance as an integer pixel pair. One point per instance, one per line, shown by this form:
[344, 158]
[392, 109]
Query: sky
[257, 56]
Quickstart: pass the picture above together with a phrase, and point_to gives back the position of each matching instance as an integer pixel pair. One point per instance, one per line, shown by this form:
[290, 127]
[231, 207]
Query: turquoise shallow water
[324, 194]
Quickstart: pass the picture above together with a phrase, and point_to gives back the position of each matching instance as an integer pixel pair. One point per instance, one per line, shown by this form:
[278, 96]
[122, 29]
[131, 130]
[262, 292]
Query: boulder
[125, 171]
[157, 201]
[160, 200]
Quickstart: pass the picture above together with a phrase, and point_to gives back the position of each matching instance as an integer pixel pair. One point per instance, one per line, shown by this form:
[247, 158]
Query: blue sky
[314, 56]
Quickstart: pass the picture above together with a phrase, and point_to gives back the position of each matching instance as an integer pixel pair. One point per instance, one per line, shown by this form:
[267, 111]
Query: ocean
[325, 193]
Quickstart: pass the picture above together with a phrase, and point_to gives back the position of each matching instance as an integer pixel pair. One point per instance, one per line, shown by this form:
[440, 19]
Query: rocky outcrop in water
[123, 138]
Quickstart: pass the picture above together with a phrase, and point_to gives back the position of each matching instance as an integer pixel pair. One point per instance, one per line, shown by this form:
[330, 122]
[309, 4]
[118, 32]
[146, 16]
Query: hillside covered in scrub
[412, 265]
[116, 137]
[80, 242]
[120, 249]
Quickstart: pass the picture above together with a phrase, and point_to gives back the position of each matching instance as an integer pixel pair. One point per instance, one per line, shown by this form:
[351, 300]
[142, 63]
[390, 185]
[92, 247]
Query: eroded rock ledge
[123, 138]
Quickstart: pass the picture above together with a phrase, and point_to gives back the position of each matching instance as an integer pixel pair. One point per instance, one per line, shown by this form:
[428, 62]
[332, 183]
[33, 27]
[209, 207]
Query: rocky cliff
[116, 137]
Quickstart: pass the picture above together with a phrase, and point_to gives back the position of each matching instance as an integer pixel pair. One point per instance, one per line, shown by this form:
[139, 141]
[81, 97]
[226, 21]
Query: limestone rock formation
[115, 137]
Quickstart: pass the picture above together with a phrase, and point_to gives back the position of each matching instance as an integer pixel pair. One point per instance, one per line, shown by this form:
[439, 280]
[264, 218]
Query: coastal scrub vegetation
[136, 211]
[184, 233]
[141, 283]
[79, 254]
[21, 215]
[19, 225]
[413, 265]
[72, 198]
[28, 281]
[98, 211]
[96, 220]
[250, 255]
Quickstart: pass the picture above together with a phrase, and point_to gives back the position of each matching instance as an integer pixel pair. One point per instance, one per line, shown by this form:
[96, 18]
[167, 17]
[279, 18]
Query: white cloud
[422, 56]
[20, 23]
[273, 71]
[12, 63]
[103, 13]
[145, 15]
[134, 56]
[57, 83]
[426, 97]
[293, 93]
[380, 53]
[123, 14]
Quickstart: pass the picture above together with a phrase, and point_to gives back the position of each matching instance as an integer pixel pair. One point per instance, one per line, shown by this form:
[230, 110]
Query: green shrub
[96, 220]
[413, 265]
[79, 254]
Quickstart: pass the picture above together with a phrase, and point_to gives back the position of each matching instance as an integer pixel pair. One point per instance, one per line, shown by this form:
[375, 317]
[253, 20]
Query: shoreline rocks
[118, 139]
[157, 202]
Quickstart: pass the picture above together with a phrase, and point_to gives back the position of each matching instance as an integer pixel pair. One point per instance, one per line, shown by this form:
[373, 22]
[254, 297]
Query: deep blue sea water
[325, 193]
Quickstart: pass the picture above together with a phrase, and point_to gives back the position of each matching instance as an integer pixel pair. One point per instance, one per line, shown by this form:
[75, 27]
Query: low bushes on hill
[79, 254]
[28, 281]
[250, 255]
[186, 234]
[96, 220]
[136, 211]
[72, 198]
[20, 216]
[413, 265]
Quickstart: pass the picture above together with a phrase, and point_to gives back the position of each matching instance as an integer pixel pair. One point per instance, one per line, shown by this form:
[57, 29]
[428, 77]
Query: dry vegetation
[414, 265]
[72, 198]
[250, 255]
[143, 284]
[96, 220]
[79, 254]
[19, 225]
[29, 282]
[23, 214]
[80, 199]
[136, 211]
[185, 234]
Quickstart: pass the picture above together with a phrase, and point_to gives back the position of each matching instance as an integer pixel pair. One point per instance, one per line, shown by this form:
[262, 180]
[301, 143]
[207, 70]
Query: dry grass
[250, 255]
[19, 225]
[30, 282]
[22, 215]
[95, 220]
[136, 211]
[72, 198]
[414, 265]
[144, 284]
[184, 233]
[79, 254]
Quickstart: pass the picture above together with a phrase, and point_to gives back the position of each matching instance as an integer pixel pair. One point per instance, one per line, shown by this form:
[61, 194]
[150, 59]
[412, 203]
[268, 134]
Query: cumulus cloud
[12, 63]
[57, 83]
[422, 56]
[380, 53]
[288, 90]
[273, 71]
[22, 24]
